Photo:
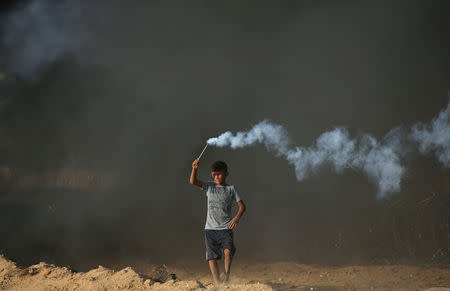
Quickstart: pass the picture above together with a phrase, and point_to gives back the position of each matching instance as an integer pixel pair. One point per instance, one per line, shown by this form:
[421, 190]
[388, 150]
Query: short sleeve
[236, 195]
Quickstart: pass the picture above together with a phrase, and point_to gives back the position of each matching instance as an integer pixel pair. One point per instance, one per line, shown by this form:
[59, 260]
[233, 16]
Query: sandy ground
[273, 276]
[294, 276]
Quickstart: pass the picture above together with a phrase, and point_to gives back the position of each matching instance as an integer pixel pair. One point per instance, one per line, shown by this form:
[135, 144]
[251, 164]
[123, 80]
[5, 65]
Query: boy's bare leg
[228, 259]
[214, 271]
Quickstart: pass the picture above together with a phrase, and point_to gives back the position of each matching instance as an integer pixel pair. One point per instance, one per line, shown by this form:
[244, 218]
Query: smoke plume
[379, 159]
[37, 33]
[435, 136]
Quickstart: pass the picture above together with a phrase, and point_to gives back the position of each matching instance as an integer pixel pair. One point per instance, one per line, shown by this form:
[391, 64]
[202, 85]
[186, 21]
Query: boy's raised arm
[194, 180]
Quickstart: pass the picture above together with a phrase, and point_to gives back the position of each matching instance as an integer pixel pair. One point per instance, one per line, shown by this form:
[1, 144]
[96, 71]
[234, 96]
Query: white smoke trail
[380, 160]
[273, 136]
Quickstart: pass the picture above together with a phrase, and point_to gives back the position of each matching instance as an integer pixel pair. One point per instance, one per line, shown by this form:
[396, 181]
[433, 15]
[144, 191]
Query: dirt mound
[45, 276]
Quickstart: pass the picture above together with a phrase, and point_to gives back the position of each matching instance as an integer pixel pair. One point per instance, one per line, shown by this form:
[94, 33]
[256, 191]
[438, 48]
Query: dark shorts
[217, 241]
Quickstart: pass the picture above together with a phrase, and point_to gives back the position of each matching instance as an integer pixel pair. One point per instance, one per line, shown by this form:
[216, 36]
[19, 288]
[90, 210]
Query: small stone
[200, 285]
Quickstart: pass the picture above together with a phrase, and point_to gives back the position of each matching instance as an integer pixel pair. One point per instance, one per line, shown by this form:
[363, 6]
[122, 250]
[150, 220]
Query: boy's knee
[227, 252]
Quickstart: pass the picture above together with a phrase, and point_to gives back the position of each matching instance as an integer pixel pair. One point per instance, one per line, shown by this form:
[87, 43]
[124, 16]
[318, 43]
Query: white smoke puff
[382, 165]
[273, 136]
[381, 161]
[333, 146]
[337, 147]
[435, 136]
[299, 159]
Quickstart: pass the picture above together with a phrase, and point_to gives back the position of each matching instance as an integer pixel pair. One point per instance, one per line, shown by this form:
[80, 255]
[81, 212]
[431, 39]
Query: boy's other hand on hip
[233, 223]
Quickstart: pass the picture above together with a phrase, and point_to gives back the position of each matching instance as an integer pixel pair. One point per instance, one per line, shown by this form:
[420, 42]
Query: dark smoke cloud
[37, 33]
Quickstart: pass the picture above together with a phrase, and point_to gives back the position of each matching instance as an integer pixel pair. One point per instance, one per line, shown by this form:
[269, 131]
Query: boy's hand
[193, 180]
[233, 223]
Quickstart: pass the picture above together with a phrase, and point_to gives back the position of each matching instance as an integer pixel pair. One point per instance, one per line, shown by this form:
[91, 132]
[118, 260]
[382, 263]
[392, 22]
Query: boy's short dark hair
[219, 166]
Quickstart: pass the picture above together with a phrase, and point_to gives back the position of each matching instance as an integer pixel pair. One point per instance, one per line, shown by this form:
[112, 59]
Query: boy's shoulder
[213, 184]
[230, 186]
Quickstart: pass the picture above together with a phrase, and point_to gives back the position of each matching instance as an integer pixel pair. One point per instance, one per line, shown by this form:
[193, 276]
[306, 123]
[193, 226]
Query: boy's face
[219, 177]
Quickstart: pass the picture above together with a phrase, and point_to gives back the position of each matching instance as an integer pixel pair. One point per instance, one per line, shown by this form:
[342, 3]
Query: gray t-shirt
[220, 201]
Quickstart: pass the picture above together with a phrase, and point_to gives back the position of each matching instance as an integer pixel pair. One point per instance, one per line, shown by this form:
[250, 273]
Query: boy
[219, 224]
